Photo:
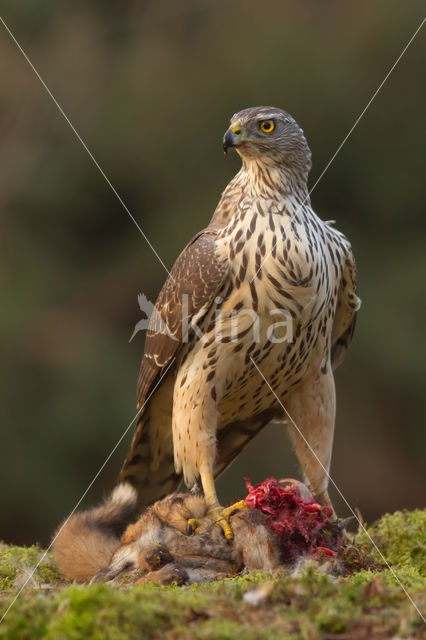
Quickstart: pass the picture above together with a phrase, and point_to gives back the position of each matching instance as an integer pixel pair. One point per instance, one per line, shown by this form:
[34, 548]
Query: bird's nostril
[237, 132]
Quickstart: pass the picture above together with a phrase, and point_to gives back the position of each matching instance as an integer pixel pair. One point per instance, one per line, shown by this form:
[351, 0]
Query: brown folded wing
[348, 304]
[187, 294]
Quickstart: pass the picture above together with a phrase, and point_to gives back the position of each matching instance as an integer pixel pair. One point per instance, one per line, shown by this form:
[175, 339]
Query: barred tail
[84, 544]
[149, 466]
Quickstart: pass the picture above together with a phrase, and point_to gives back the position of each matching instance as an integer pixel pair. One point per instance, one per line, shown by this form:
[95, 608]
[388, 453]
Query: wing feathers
[348, 304]
[186, 295]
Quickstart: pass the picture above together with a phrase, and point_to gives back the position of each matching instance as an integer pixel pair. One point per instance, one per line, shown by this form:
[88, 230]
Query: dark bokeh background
[150, 86]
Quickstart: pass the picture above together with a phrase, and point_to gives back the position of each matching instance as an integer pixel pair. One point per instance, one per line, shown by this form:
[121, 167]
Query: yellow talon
[220, 516]
[226, 529]
[217, 513]
[228, 511]
[191, 525]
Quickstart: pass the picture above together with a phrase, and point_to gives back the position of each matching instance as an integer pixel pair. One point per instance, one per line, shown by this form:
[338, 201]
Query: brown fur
[88, 547]
[85, 542]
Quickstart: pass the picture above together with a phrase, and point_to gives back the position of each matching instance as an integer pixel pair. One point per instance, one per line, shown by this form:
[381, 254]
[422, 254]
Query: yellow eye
[267, 126]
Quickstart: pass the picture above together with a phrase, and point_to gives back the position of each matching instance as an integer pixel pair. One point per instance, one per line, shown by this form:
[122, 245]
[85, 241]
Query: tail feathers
[84, 544]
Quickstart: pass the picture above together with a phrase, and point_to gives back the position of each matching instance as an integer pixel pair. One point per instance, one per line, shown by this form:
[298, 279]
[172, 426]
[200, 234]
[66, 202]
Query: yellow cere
[236, 129]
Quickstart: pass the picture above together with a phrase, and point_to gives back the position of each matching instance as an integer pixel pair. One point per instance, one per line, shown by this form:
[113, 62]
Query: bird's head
[268, 134]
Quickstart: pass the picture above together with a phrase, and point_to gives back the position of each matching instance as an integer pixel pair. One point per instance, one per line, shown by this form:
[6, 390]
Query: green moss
[408, 577]
[98, 612]
[306, 606]
[17, 564]
[28, 618]
[297, 607]
[401, 538]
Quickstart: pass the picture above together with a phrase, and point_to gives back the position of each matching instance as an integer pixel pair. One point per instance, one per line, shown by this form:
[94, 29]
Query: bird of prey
[204, 393]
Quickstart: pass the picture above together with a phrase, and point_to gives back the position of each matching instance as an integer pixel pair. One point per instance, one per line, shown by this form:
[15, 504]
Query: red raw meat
[303, 525]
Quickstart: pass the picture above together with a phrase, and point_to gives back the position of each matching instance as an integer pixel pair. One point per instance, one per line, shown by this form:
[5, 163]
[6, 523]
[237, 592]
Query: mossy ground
[367, 603]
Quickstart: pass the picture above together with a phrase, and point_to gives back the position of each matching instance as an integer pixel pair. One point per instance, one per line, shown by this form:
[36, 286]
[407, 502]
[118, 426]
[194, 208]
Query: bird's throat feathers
[265, 177]
[264, 181]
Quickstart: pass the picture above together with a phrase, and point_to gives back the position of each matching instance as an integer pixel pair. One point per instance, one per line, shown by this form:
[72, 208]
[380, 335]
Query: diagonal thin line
[361, 115]
[345, 139]
[84, 145]
[85, 493]
[341, 494]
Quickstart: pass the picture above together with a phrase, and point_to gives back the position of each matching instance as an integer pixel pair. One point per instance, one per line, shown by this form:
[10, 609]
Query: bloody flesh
[303, 525]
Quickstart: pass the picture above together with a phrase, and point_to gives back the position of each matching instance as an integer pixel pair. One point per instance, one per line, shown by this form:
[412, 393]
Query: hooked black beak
[230, 139]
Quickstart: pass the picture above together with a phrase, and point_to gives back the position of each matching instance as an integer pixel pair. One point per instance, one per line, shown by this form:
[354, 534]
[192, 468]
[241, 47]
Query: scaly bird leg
[217, 513]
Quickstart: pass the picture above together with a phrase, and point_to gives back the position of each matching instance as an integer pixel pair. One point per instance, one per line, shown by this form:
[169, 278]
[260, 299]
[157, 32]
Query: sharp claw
[220, 516]
[191, 525]
[229, 511]
[226, 528]
[228, 533]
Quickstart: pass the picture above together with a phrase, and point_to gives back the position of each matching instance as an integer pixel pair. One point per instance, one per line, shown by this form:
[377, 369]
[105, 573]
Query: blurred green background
[150, 87]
